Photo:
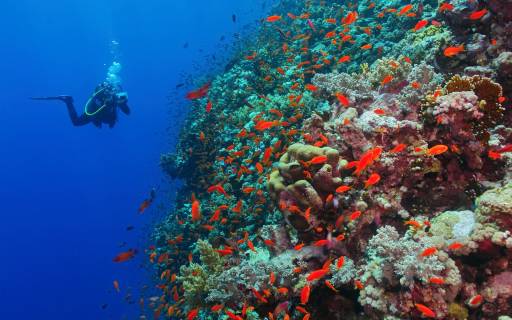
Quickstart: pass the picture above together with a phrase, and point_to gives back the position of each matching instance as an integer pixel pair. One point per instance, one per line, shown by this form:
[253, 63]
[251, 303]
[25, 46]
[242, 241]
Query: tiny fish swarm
[353, 163]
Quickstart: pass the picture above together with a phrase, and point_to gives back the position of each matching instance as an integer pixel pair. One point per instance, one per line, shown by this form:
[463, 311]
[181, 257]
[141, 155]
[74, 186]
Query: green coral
[457, 311]
[195, 277]
[453, 225]
[495, 202]
[384, 67]
[424, 44]
[431, 31]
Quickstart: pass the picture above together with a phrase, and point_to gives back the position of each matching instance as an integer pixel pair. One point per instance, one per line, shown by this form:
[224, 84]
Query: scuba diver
[100, 108]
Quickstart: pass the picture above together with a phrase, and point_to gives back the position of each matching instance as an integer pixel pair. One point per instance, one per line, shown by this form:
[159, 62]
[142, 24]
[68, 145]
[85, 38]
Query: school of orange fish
[235, 139]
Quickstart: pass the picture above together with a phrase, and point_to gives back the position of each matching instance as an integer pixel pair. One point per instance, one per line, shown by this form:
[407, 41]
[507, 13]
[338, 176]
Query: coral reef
[352, 162]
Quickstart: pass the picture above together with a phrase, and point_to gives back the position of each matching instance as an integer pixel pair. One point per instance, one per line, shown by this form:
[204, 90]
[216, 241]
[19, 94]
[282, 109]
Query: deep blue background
[67, 194]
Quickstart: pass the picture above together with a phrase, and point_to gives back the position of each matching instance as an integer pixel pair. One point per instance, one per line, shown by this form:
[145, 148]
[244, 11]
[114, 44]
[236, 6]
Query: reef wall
[354, 163]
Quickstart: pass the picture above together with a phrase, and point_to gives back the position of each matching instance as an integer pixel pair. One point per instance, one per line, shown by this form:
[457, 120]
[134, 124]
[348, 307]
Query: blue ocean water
[67, 193]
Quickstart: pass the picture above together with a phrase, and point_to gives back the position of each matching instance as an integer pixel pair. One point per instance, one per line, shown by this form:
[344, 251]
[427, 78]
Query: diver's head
[122, 97]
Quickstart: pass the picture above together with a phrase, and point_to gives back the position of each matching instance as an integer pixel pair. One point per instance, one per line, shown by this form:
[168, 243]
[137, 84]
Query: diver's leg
[75, 119]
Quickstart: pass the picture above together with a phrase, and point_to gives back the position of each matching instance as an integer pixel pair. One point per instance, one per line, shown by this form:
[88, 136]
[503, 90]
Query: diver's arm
[124, 107]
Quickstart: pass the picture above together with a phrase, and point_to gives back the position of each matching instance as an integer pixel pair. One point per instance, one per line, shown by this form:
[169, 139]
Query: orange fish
[420, 25]
[372, 179]
[330, 286]
[341, 261]
[232, 316]
[250, 245]
[428, 251]
[494, 155]
[404, 9]
[436, 280]
[455, 246]
[307, 213]
[344, 59]
[311, 87]
[321, 243]
[248, 190]
[386, 79]
[269, 242]
[299, 246]
[274, 18]
[259, 296]
[301, 309]
[199, 93]
[116, 285]
[379, 112]
[366, 46]
[192, 314]
[415, 224]
[330, 34]
[437, 150]
[272, 278]
[282, 290]
[398, 148]
[346, 38]
[350, 18]
[478, 14]
[251, 57]
[368, 31]
[342, 189]
[354, 215]
[304, 294]
[125, 256]
[238, 207]
[266, 155]
[342, 99]
[317, 274]
[195, 211]
[415, 85]
[446, 7]
[224, 252]
[144, 205]
[318, 160]
[264, 125]
[367, 158]
[217, 307]
[476, 300]
[217, 188]
[425, 311]
[209, 106]
[453, 51]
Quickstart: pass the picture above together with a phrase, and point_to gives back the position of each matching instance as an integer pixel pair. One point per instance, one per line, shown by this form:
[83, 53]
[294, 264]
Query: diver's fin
[62, 98]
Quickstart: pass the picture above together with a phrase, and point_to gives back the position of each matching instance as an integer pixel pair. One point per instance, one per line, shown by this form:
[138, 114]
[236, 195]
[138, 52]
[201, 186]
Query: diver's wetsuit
[107, 115]
[101, 107]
